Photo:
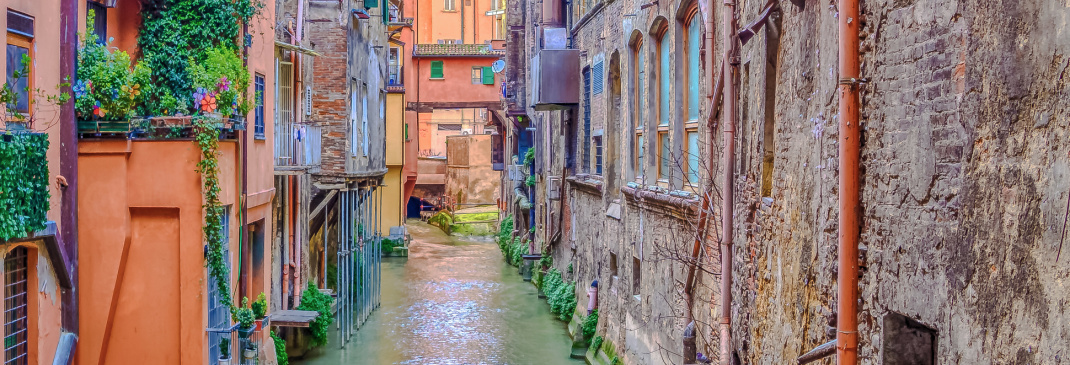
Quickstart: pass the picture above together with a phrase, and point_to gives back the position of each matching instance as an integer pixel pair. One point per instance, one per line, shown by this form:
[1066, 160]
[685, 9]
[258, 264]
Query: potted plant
[245, 318]
[259, 308]
[224, 351]
[220, 84]
[108, 87]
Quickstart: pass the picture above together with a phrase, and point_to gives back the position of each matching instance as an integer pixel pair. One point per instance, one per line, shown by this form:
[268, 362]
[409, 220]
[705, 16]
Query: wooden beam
[430, 106]
[114, 301]
[323, 204]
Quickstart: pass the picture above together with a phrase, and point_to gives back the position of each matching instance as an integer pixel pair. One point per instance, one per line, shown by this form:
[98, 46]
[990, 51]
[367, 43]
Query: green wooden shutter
[488, 76]
[436, 70]
[368, 4]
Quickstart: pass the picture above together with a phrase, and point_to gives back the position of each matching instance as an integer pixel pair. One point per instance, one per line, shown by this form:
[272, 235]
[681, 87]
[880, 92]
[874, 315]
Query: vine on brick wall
[23, 184]
[207, 138]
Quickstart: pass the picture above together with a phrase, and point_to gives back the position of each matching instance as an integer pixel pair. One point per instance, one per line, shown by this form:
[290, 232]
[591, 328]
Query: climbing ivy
[175, 33]
[23, 184]
[207, 139]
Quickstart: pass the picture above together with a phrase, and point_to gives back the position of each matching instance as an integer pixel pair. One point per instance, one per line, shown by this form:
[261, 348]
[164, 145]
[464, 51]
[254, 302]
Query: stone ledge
[586, 183]
[640, 195]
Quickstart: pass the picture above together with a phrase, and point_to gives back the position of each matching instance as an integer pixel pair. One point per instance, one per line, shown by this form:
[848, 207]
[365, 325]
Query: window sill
[588, 183]
[658, 197]
[449, 11]
[436, 78]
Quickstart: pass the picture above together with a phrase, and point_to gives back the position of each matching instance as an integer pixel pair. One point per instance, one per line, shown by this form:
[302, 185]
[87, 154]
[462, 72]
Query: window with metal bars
[258, 128]
[218, 313]
[16, 308]
[586, 150]
[449, 127]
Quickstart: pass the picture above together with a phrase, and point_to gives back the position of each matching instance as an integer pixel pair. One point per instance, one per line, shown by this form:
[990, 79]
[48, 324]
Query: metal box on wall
[555, 79]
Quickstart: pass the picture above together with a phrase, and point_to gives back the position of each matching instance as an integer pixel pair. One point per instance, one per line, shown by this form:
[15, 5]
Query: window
[597, 155]
[664, 92]
[449, 127]
[285, 98]
[449, 5]
[638, 110]
[16, 307]
[99, 26]
[20, 58]
[585, 158]
[477, 75]
[218, 313]
[258, 126]
[597, 73]
[436, 70]
[694, 48]
[394, 60]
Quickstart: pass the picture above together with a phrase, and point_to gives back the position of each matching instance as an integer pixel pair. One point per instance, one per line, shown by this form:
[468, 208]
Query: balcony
[297, 146]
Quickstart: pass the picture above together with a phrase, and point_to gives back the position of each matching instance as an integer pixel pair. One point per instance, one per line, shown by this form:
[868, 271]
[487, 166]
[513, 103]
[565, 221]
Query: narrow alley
[452, 301]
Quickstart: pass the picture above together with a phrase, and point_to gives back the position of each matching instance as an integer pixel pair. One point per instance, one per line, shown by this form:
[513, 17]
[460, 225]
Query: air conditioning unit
[553, 188]
[515, 173]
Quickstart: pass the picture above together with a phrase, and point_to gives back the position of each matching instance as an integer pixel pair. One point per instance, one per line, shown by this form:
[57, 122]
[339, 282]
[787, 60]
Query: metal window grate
[219, 314]
[16, 347]
[449, 127]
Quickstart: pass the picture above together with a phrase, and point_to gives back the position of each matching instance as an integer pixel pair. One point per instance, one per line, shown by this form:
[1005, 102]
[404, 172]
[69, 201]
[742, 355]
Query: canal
[452, 301]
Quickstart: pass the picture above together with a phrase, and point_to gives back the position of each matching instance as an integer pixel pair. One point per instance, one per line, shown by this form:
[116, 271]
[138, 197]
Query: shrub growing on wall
[314, 300]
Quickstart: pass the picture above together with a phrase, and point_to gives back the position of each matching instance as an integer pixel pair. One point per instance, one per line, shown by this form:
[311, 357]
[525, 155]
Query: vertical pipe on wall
[728, 155]
[338, 263]
[68, 164]
[284, 242]
[847, 275]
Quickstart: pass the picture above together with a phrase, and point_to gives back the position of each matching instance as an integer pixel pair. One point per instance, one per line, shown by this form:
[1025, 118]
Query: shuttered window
[597, 75]
[488, 76]
[436, 70]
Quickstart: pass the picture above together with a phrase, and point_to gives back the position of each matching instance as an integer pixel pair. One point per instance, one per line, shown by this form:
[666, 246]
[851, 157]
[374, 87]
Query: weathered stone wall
[964, 172]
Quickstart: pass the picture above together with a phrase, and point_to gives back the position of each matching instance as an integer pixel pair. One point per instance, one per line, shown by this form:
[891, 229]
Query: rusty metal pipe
[847, 280]
[729, 129]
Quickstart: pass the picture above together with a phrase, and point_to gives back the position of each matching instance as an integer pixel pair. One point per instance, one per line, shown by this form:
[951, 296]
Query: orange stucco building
[145, 292]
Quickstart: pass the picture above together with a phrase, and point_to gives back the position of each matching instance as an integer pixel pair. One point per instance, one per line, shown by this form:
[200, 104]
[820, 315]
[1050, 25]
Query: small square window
[597, 155]
[477, 75]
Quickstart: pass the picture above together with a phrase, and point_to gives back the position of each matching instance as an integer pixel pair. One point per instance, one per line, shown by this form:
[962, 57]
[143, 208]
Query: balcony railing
[297, 145]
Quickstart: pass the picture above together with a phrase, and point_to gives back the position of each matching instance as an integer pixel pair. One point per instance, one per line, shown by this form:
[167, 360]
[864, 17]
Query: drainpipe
[847, 277]
[68, 165]
[728, 164]
[243, 198]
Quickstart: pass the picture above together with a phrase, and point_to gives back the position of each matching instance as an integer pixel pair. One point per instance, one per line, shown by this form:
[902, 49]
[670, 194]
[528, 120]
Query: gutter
[849, 155]
[727, 212]
[68, 166]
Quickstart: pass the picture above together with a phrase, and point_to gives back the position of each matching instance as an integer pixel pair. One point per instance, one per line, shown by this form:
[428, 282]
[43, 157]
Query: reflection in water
[453, 301]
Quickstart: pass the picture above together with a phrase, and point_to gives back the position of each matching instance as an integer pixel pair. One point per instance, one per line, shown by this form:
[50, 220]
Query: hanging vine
[207, 138]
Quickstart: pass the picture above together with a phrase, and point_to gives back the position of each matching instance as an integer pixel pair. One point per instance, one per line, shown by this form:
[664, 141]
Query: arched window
[639, 107]
[664, 71]
[693, 67]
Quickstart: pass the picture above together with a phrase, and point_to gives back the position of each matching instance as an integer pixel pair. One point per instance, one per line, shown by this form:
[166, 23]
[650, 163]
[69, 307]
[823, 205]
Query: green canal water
[452, 301]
